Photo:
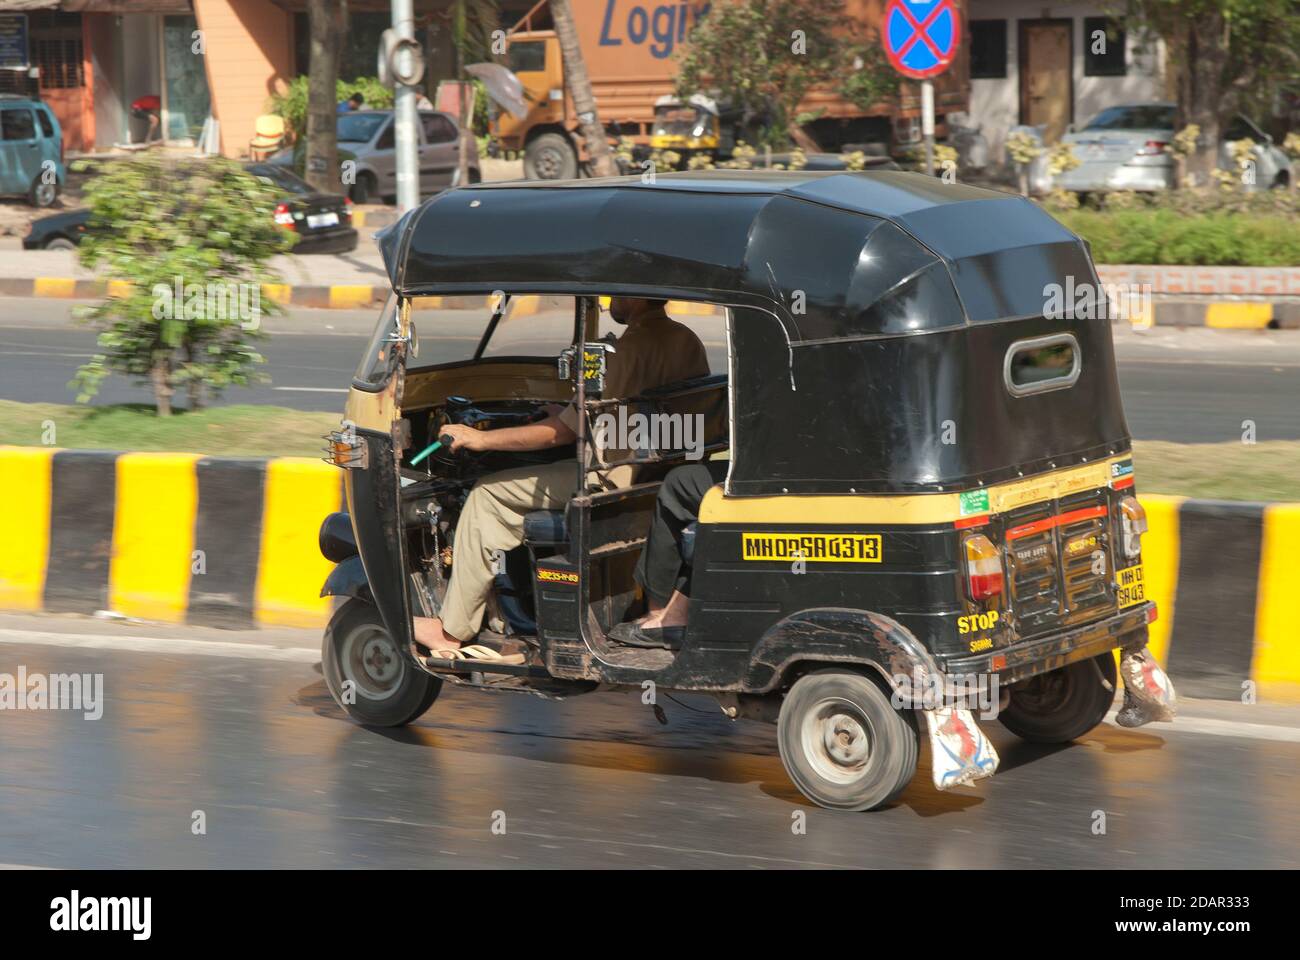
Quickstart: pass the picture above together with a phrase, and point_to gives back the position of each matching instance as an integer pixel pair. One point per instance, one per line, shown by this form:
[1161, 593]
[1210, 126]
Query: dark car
[323, 221]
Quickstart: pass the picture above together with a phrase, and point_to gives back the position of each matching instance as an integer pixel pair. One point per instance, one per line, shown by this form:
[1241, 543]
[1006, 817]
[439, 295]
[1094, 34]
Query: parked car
[323, 221]
[1124, 148]
[31, 148]
[369, 138]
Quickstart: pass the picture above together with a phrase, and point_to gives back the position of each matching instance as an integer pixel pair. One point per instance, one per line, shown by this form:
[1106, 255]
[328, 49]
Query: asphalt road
[1182, 385]
[284, 780]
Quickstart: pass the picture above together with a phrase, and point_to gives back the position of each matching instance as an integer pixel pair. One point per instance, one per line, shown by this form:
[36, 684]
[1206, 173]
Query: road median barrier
[232, 542]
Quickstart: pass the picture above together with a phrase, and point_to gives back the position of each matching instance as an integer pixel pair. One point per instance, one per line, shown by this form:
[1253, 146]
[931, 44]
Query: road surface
[240, 727]
[1182, 385]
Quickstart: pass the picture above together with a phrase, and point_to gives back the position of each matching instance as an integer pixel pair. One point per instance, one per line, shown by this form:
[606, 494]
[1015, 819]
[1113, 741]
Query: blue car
[31, 150]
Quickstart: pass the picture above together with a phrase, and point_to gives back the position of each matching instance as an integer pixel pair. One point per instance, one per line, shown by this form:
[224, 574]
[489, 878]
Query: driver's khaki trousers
[491, 525]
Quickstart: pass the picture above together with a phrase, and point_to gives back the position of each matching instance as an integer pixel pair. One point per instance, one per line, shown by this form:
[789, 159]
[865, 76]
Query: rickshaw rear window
[1044, 363]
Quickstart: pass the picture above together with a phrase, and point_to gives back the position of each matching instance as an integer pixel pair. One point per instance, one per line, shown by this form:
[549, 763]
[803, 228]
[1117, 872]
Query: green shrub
[1170, 236]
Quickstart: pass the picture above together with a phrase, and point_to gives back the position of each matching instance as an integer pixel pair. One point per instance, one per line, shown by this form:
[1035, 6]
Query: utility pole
[405, 116]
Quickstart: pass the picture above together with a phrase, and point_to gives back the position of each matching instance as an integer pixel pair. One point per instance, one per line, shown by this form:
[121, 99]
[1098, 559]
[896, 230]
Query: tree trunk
[326, 19]
[579, 84]
[161, 375]
[1201, 92]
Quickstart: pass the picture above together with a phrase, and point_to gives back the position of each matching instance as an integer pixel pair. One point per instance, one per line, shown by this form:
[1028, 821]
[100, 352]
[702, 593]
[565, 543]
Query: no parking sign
[921, 36]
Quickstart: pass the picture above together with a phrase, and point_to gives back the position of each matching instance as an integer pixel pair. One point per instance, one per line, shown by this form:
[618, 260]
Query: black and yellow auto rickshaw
[929, 506]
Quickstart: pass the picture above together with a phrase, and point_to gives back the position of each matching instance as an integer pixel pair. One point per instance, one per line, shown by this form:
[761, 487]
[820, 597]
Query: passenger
[660, 571]
[653, 351]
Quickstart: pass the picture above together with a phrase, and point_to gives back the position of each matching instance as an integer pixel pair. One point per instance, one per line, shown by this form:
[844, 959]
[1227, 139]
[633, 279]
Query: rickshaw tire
[1039, 714]
[893, 741]
[416, 690]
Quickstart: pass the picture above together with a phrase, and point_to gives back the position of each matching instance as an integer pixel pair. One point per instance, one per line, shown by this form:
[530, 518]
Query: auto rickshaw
[695, 126]
[929, 506]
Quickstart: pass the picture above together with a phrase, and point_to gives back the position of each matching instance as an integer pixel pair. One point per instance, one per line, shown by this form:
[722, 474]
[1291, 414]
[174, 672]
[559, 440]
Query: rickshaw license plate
[1129, 586]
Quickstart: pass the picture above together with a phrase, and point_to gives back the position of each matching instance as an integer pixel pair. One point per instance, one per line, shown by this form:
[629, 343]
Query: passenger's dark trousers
[660, 570]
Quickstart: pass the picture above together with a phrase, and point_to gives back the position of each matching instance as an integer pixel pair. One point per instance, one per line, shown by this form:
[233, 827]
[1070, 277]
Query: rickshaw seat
[545, 526]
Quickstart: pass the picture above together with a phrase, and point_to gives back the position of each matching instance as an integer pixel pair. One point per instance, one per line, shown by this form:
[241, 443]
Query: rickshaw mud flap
[843, 635]
[1149, 694]
[960, 753]
[348, 579]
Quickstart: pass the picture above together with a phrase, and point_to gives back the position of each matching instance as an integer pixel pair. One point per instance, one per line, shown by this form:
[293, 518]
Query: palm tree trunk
[327, 19]
[579, 84]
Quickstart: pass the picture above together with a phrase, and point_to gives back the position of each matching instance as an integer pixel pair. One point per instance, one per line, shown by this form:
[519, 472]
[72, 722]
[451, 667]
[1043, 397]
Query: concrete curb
[180, 538]
[1198, 311]
[1194, 312]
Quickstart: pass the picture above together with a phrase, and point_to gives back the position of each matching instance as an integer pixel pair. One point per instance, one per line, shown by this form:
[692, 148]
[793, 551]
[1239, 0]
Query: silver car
[1123, 148]
[370, 137]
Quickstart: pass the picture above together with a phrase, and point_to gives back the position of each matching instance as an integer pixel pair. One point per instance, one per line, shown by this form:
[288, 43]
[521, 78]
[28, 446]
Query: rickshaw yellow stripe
[153, 535]
[1238, 316]
[25, 481]
[1160, 556]
[907, 508]
[1276, 665]
[298, 495]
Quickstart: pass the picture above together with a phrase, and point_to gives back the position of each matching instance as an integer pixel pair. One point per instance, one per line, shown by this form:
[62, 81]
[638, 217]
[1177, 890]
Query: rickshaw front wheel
[374, 682]
[1064, 704]
[843, 743]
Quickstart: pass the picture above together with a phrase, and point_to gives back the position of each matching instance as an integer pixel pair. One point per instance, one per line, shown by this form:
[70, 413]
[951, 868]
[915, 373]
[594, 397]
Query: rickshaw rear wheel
[843, 743]
[1063, 704]
[374, 682]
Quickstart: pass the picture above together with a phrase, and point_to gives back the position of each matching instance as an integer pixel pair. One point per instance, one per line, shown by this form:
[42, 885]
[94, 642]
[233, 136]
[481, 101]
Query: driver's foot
[430, 635]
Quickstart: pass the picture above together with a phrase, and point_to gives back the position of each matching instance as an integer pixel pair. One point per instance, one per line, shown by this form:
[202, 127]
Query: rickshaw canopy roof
[834, 255]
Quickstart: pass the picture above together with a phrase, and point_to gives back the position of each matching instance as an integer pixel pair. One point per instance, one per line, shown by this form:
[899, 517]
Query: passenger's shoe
[657, 638]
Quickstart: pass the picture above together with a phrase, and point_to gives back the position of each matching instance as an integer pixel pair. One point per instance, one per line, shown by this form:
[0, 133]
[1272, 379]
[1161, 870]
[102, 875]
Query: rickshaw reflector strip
[983, 567]
[968, 522]
[1047, 523]
[1122, 484]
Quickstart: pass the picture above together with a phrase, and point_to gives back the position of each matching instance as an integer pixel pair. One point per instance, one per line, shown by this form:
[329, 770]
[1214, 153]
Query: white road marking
[314, 389]
[168, 645]
[1219, 728]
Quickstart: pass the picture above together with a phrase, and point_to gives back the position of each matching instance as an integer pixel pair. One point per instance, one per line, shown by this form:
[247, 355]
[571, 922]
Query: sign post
[920, 38]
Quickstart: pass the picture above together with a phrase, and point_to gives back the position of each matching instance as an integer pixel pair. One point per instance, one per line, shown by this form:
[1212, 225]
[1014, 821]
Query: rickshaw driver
[653, 351]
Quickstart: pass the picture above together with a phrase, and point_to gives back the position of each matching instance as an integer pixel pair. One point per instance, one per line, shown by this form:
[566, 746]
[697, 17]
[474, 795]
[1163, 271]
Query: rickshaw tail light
[345, 449]
[983, 568]
[1133, 520]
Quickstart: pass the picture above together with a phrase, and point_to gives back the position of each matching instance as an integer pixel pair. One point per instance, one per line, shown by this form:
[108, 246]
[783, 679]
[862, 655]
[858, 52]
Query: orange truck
[630, 47]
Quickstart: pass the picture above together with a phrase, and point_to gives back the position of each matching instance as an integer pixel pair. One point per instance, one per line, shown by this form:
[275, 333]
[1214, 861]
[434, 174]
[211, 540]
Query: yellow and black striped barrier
[172, 537]
[182, 538]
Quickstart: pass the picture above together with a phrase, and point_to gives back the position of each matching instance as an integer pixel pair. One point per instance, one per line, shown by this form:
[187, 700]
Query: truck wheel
[843, 743]
[550, 157]
[368, 676]
[1062, 705]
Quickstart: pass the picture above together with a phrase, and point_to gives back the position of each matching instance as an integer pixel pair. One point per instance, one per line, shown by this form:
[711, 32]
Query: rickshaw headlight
[983, 567]
[1133, 522]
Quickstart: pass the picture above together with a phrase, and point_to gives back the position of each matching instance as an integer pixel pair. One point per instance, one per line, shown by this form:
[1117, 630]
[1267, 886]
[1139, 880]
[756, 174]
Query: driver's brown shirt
[653, 351]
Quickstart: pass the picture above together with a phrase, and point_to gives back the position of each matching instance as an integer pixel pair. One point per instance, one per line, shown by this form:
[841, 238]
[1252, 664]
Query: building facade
[1053, 65]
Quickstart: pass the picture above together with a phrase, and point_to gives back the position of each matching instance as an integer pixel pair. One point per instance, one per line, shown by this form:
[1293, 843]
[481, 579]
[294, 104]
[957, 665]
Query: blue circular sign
[921, 36]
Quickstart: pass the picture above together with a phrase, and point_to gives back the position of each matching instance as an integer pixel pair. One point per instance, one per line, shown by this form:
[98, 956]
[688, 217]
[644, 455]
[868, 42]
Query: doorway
[1046, 76]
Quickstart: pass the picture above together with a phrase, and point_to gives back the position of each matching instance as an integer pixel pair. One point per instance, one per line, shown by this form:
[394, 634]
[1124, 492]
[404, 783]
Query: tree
[327, 23]
[579, 84]
[1226, 56]
[186, 245]
[764, 56]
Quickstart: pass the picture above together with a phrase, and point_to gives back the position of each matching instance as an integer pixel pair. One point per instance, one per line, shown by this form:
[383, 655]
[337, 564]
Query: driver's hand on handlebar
[463, 437]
